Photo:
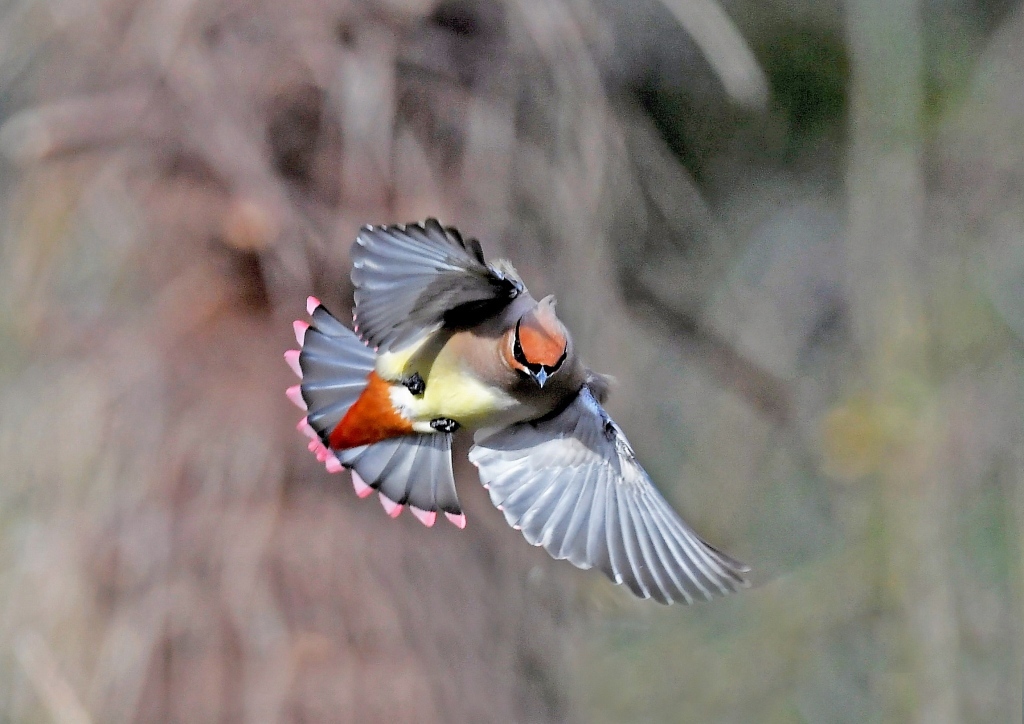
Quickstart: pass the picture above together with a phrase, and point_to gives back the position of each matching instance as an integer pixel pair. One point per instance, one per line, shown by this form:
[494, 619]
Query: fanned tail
[414, 470]
[336, 368]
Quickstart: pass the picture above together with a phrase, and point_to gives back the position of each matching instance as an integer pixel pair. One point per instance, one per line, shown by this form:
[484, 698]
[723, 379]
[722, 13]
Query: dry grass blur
[794, 237]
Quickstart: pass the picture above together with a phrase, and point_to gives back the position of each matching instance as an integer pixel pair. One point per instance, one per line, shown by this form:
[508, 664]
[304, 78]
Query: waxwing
[444, 339]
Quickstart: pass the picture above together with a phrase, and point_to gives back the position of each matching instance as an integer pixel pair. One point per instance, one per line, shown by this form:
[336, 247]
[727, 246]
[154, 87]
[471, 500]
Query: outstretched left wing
[572, 484]
[410, 280]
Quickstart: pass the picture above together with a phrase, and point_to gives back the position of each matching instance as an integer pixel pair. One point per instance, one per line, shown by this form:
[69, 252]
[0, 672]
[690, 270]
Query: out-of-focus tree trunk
[886, 255]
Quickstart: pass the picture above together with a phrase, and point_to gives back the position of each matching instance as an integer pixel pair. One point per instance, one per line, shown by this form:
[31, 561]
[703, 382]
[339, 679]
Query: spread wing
[572, 484]
[411, 280]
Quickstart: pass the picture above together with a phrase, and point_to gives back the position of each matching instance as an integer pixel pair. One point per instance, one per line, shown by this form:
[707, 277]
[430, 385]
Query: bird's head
[538, 344]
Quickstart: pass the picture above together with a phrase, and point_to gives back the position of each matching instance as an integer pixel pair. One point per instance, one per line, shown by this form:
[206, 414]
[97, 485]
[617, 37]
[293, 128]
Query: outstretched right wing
[572, 484]
[410, 280]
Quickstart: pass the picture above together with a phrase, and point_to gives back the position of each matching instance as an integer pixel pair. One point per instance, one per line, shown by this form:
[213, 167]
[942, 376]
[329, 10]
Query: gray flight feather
[412, 280]
[411, 470]
[414, 469]
[335, 365]
[571, 483]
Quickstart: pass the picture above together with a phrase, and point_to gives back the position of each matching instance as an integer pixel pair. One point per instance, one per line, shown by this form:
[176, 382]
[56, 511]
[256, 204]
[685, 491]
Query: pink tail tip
[426, 517]
[392, 508]
[300, 328]
[459, 521]
[294, 394]
[361, 488]
[292, 358]
[311, 304]
[333, 465]
[306, 430]
[317, 448]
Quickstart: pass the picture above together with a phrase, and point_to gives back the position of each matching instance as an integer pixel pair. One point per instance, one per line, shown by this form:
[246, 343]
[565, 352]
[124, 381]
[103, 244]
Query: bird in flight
[443, 339]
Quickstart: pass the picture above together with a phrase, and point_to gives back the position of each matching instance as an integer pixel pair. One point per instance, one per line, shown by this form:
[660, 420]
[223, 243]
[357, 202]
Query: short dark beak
[541, 377]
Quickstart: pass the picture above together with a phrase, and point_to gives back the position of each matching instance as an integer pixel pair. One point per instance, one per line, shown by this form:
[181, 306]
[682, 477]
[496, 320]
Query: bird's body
[456, 391]
[445, 340]
[467, 380]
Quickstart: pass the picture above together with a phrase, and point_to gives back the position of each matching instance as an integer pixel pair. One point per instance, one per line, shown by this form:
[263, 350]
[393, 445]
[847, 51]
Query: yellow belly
[450, 391]
[454, 393]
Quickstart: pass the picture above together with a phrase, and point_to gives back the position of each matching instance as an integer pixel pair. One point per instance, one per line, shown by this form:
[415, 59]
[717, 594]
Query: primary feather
[572, 484]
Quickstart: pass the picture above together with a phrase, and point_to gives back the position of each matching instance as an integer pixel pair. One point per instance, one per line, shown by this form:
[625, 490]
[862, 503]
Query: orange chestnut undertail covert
[371, 419]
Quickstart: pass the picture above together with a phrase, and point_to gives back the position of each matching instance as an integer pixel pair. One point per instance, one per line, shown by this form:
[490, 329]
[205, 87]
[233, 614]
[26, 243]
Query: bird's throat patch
[371, 419]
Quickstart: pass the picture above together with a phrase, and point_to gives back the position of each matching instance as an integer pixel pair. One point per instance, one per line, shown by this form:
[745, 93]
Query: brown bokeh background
[793, 232]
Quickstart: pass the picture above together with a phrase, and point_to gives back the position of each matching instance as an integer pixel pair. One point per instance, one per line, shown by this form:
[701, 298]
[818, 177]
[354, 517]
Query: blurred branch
[674, 286]
[725, 49]
[700, 252]
[79, 124]
[763, 390]
[42, 670]
[885, 243]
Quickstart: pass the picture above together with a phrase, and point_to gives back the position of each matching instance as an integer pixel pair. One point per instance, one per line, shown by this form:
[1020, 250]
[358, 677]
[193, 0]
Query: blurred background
[791, 229]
